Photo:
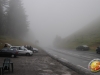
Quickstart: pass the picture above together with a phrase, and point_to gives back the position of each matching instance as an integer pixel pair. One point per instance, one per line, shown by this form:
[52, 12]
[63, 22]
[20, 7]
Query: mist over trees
[13, 20]
[89, 35]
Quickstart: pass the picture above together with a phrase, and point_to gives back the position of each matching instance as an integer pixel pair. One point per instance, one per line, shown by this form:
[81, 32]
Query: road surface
[79, 58]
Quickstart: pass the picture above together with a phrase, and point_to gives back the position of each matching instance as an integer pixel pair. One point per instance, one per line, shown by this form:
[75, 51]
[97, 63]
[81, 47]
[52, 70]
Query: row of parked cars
[13, 51]
[85, 47]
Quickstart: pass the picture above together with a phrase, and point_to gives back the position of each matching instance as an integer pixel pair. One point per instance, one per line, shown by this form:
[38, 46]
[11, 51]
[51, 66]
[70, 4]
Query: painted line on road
[86, 57]
[83, 67]
[73, 54]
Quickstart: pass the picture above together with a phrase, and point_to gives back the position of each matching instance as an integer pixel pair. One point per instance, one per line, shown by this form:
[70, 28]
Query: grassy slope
[89, 36]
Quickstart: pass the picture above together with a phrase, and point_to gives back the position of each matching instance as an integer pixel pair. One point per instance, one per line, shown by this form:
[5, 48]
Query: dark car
[12, 52]
[82, 47]
[98, 50]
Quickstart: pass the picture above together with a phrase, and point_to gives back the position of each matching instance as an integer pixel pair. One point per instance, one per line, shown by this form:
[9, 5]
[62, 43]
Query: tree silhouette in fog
[13, 20]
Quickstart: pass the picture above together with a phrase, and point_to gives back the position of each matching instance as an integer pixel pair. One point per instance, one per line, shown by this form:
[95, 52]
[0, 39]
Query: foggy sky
[49, 18]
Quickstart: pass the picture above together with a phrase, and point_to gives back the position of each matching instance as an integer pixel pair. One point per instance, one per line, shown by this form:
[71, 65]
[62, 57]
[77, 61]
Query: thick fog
[49, 18]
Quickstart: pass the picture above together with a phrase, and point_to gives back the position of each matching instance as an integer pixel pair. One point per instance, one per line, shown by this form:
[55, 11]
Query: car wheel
[27, 54]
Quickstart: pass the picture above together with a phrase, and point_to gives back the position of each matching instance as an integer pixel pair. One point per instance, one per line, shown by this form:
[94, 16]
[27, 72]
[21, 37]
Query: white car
[23, 51]
[35, 50]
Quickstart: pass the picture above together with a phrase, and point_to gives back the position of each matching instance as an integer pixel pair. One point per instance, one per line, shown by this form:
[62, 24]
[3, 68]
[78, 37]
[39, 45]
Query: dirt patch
[38, 64]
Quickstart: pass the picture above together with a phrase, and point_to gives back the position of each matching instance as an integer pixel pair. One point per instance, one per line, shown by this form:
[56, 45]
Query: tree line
[13, 20]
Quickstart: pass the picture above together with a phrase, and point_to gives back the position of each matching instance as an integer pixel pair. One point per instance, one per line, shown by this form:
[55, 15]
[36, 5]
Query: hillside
[89, 35]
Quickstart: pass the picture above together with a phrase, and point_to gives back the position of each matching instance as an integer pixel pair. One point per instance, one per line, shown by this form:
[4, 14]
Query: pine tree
[1, 17]
[17, 20]
[3, 5]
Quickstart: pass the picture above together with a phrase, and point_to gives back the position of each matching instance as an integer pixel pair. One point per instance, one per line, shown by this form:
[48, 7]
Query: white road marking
[86, 57]
[64, 59]
[82, 67]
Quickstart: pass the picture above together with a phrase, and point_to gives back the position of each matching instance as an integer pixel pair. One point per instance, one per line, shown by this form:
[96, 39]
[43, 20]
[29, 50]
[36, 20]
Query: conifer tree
[17, 20]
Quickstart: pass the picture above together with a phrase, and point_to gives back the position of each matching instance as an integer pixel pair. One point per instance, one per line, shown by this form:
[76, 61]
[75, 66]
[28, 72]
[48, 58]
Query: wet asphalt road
[79, 58]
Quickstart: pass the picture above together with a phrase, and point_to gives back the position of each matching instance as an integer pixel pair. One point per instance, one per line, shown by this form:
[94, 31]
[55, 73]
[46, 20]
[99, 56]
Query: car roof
[85, 45]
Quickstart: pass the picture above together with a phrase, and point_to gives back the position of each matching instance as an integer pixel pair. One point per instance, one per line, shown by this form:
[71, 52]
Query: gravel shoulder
[38, 64]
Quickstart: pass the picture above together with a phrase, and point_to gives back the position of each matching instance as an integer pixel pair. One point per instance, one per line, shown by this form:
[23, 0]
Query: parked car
[12, 52]
[98, 50]
[34, 50]
[23, 51]
[82, 47]
[31, 48]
